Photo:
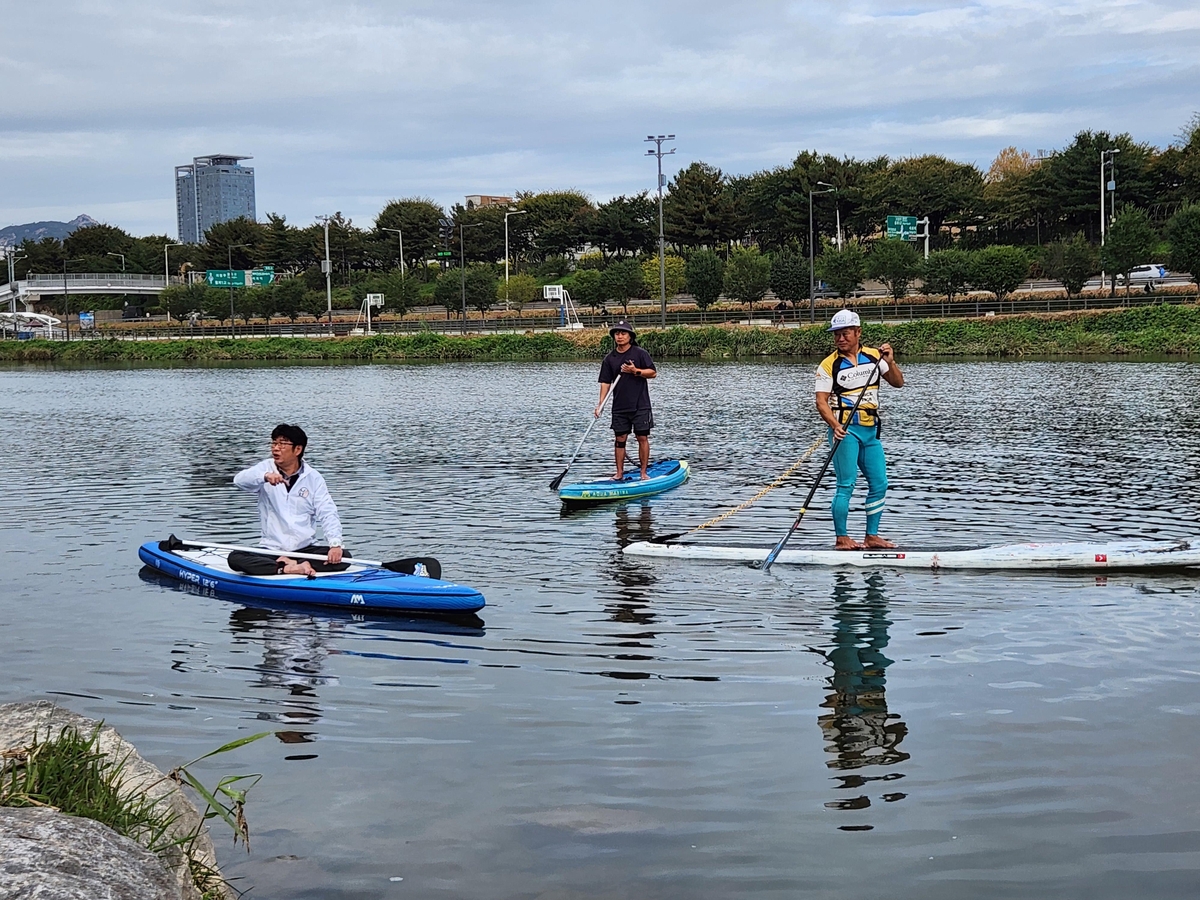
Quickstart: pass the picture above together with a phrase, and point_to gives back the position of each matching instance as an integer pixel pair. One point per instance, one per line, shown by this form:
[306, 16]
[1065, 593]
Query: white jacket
[287, 518]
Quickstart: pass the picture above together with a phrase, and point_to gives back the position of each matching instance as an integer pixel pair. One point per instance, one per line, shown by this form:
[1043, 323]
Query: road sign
[444, 254]
[903, 227]
[224, 278]
[265, 275]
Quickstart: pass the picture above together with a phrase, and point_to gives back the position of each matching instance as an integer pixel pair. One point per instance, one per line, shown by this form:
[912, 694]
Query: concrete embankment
[1147, 330]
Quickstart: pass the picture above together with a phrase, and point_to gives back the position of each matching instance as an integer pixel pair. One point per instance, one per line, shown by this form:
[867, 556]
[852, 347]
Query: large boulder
[85, 859]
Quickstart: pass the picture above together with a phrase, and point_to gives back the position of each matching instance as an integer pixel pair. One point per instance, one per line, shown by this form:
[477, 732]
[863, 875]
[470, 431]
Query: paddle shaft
[261, 551]
[833, 449]
[595, 418]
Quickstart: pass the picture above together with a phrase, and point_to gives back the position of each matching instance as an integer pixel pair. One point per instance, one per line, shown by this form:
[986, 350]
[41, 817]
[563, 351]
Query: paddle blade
[557, 481]
[408, 566]
[667, 538]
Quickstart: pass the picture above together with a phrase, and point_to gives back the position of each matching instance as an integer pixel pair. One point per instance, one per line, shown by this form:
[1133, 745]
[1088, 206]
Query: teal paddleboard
[660, 476]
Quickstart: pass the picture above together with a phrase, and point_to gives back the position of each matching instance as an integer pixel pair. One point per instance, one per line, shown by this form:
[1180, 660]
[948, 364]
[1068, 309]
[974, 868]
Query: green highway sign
[903, 227]
[265, 275]
[444, 254]
[224, 278]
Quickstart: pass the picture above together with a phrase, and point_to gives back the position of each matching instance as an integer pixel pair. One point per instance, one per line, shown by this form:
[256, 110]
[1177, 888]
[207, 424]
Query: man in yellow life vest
[842, 377]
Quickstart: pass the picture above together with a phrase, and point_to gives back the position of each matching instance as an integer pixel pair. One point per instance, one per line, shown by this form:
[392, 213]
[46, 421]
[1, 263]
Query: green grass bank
[1154, 330]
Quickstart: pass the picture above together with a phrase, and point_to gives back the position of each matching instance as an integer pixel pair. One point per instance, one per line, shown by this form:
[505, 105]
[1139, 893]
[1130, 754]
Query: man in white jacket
[292, 500]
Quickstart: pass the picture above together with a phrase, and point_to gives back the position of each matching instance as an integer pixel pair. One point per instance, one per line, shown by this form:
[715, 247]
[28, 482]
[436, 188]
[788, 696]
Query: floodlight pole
[67, 298]
[519, 212]
[812, 285]
[462, 269]
[401, 234]
[662, 259]
[1105, 159]
[167, 272]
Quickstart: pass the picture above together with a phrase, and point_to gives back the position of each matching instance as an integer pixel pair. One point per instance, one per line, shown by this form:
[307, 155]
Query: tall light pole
[519, 212]
[462, 269]
[401, 234]
[662, 259]
[67, 297]
[11, 254]
[167, 272]
[1106, 159]
[230, 270]
[812, 287]
[327, 268]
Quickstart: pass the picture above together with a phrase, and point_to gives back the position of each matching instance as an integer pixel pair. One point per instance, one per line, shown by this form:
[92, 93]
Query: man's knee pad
[620, 440]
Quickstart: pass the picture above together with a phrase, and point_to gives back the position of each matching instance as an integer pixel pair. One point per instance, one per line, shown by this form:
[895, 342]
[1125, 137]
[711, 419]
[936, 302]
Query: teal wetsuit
[860, 449]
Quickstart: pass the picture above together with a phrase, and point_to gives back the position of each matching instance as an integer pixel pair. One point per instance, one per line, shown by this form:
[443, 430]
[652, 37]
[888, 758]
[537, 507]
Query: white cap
[844, 318]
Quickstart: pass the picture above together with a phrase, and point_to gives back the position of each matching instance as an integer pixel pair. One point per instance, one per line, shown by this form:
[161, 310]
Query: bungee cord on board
[748, 503]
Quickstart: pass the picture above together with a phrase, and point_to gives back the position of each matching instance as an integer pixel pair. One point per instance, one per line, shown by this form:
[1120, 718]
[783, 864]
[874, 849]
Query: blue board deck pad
[660, 476]
[359, 587]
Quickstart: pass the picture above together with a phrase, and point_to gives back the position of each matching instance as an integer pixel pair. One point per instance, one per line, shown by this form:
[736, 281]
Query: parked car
[1150, 275]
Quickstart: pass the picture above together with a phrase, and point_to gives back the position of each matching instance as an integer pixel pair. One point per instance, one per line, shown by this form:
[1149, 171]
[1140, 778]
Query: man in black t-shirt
[631, 398]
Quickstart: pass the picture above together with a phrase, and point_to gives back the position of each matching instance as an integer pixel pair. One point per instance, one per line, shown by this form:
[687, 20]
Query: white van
[1150, 275]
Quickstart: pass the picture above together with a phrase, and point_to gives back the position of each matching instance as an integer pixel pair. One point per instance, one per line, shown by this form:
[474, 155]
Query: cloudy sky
[345, 105]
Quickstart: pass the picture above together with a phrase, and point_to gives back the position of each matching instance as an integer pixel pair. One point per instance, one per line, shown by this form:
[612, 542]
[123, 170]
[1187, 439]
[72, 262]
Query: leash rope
[770, 487]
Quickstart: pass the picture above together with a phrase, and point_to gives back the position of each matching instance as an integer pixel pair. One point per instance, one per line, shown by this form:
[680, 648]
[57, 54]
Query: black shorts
[639, 422]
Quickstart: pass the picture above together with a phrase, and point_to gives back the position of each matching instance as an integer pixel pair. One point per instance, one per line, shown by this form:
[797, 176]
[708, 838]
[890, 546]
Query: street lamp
[230, 270]
[67, 297]
[812, 292]
[1106, 159]
[327, 268]
[10, 254]
[167, 272]
[519, 212]
[401, 234]
[662, 260]
[462, 269]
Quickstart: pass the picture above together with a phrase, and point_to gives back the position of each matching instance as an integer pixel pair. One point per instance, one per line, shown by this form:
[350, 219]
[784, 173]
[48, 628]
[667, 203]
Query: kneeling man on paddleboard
[631, 396]
[846, 377]
[292, 500]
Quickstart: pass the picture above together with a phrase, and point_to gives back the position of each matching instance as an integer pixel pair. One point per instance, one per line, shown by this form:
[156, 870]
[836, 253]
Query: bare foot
[874, 540]
[643, 476]
[299, 568]
[846, 543]
[620, 476]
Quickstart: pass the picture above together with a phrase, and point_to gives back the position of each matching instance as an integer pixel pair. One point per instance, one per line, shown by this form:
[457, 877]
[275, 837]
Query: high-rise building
[209, 190]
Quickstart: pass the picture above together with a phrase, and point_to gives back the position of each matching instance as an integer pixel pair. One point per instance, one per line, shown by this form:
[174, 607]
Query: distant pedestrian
[631, 398]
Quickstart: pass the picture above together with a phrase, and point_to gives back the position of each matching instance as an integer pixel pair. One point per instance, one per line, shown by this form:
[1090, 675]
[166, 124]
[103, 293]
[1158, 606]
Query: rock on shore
[47, 855]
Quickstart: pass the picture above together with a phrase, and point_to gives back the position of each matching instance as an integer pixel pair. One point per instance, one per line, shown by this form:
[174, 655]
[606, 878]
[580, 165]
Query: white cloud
[345, 105]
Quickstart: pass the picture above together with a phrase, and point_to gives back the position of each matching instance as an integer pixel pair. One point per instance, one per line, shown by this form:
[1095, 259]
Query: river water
[616, 727]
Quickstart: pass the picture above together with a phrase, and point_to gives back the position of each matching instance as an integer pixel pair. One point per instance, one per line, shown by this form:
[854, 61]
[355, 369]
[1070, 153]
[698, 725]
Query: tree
[586, 288]
[790, 276]
[523, 290]
[215, 304]
[447, 292]
[479, 282]
[1129, 243]
[675, 271]
[699, 210]
[555, 224]
[933, 186]
[895, 263]
[705, 273]
[999, 269]
[621, 282]
[843, 270]
[287, 297]
[417, 218]
[747, 276]
[1183, 231]
[947, 272]
[625, 225]
[1072, 262]
[92, 244]
[180, 300]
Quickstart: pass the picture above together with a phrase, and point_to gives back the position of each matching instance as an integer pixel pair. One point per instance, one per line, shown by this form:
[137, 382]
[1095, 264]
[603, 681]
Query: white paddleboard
[1174, 554]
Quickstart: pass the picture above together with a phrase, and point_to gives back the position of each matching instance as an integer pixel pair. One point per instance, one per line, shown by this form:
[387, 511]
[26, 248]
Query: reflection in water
[294, 653]
[859, 730]
[634, 579]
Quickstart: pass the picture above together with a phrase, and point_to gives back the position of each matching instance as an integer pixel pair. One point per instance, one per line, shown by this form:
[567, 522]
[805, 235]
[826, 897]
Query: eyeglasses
[279, 442]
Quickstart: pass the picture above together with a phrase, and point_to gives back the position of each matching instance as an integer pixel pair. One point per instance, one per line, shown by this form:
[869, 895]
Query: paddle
[406, 566]
[817, 481]
[557, 481]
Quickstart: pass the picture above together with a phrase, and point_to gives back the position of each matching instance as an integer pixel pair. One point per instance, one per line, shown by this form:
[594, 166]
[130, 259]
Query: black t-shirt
[631, 393]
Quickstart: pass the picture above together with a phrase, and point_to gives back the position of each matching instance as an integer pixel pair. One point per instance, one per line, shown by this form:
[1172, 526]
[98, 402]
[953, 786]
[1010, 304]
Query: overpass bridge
[33, 288]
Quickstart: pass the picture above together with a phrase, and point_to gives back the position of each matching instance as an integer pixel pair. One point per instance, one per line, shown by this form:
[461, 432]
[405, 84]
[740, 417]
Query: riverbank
[1144, 330]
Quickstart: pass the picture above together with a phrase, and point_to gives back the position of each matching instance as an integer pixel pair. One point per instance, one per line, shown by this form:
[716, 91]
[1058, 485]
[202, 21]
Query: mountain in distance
[13, 235]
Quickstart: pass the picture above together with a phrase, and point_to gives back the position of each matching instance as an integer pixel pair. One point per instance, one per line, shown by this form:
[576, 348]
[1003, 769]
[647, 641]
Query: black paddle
[557, 481]
[406, 566]
[817, 481]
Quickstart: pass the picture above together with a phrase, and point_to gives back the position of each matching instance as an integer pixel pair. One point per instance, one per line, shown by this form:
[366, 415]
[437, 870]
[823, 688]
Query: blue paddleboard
[660, 476]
